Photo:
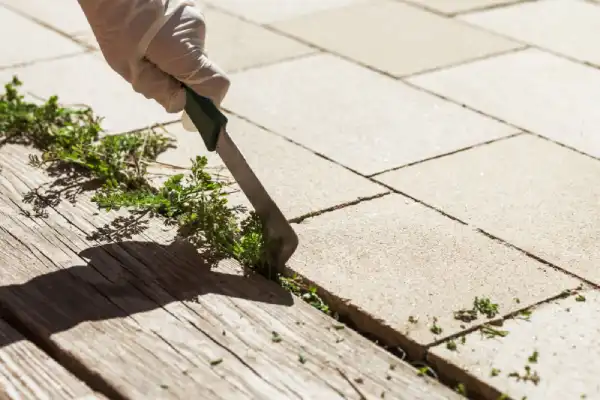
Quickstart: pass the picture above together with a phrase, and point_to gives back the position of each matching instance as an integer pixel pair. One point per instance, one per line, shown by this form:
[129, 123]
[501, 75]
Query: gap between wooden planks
[145, 318]
[26, 372]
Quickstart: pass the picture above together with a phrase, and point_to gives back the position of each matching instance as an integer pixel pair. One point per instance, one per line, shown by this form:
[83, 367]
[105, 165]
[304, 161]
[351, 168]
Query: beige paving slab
[535, 90]
[266, 11]
[394, 37]
[25, 41]
[355, 116]
[299, 181]
[564, 333]
[457, 6]
[234, 44]
[528, 191]
[65, 15]
[394, 258]
[87, 79]
[568, 27]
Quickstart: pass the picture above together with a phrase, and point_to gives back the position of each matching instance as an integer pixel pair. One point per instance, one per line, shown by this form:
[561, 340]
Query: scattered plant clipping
[461, 389]
[276, 337]
[528, 376]
[533, 358]
[482, 306]
[435, 328]
[490, 332]
[216, 361]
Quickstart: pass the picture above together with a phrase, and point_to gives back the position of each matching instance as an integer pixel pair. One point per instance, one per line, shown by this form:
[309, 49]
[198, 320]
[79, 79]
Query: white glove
[155, 45]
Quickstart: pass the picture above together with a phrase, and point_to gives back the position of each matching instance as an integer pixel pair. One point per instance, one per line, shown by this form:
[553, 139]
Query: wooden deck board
[26, 372]
[146, 319]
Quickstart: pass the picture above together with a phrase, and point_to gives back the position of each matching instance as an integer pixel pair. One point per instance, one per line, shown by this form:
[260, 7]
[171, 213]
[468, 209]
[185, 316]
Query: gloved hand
[155, 45]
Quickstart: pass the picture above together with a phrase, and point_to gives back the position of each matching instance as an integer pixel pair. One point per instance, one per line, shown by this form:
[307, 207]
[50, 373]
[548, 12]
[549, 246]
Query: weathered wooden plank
[166, 315]
[26, 372]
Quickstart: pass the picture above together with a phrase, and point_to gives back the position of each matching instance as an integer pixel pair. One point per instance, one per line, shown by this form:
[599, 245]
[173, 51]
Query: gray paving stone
[87, 79]
[65, 15]
[393, 258]
[266, 11]
[568, 27]
[394, 37]
[25, 41]
[566, 335]
[299, 181]
[357, 117]
[540, 92]
[457, 6]
[528, 191]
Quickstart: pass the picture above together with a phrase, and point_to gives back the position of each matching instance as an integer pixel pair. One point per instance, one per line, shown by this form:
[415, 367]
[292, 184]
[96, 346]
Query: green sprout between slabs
[194, 203]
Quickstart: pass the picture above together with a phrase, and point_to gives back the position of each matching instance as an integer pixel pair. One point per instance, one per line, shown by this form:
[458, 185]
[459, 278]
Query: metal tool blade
[281, 239]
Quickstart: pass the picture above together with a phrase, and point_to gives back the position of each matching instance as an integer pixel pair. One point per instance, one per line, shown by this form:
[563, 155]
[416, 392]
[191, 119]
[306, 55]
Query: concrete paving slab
[535, 194]
[566, 336]
[87, 79]
[25, 41]
[299, 181]
[568, 27]
[394, 258]
[532, 89]
[234, 44]
[457, 6]
[65, 15]
[355, 116]
[267, 11]
[394, 37]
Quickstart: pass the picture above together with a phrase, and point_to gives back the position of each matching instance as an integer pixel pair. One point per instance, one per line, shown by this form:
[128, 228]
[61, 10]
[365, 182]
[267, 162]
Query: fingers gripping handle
[205, 116]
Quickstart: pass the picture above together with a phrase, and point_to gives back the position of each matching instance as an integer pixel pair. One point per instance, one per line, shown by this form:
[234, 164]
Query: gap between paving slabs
[320, 299]
[119, 176]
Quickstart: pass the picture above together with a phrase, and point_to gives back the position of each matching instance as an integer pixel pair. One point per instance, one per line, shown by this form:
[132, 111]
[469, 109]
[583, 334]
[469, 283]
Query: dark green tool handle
[206, 117]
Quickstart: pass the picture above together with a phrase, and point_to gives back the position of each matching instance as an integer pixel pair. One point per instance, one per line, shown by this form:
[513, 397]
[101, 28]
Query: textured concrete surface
[363, 30]
[265, 11]
[394, 258]
[234, 44]
[359, 118]
[87, 79]
[457, 6]
[63, 15]
[308, 111]
[36, 44]
[566, 336]
[568, 27]
[299, 181]
[528, 191]
[532, 89]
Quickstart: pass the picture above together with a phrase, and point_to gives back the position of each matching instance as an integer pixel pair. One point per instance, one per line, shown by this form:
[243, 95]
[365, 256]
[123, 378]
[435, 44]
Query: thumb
[178, 50]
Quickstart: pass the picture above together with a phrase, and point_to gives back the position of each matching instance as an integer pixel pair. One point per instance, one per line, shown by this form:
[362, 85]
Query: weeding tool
[281, 239]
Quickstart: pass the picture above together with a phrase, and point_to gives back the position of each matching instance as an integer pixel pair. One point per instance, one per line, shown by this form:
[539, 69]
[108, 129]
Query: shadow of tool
[120, 280]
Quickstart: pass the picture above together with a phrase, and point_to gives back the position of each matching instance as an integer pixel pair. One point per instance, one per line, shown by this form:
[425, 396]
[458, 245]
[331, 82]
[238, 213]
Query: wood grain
[149, 318]
[26, 372]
